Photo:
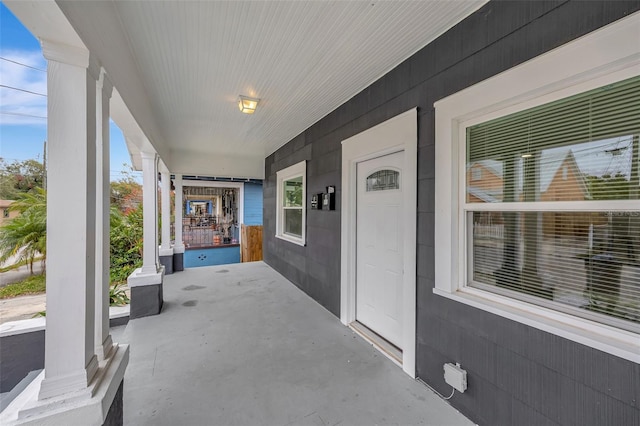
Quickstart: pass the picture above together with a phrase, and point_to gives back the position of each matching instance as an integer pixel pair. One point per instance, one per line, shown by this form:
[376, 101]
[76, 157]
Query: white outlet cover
[455, 377]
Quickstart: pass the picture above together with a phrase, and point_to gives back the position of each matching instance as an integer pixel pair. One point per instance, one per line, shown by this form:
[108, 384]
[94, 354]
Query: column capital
[104, 84]
[66, 54]
[146, 155]
[94, 67]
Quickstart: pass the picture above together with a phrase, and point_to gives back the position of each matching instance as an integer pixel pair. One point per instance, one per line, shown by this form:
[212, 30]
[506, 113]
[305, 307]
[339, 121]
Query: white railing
[488, 231]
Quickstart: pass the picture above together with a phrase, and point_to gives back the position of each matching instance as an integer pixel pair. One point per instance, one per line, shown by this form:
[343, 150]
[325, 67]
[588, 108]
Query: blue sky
[23, 128]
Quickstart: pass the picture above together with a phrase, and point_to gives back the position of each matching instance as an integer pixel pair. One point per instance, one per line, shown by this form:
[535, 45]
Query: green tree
[19, 177]
[607, 187]
[25, 235]
[126, 243]
[126, 193]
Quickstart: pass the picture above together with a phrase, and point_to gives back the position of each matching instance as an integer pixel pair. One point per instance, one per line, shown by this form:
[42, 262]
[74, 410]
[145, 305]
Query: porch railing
[488, 231]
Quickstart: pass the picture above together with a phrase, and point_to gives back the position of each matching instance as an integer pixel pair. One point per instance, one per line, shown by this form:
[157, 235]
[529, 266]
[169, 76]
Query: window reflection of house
[484, 185]
[484, 181]
[559, 179]
[562, 180]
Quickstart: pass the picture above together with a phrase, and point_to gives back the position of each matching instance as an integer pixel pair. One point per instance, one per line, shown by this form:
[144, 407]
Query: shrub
[126, 243]
[117, 295]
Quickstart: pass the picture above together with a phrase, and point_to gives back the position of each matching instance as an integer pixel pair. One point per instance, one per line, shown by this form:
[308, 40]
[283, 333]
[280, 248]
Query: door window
[383, 180]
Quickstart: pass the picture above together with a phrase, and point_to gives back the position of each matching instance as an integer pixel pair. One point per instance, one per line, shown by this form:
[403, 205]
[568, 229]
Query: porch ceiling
[180, 66]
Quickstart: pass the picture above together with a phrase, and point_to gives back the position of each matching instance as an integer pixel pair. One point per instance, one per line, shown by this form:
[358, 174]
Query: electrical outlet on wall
[455, 376]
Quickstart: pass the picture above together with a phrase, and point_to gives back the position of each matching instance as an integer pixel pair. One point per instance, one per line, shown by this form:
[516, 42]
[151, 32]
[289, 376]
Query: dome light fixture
[247, 105]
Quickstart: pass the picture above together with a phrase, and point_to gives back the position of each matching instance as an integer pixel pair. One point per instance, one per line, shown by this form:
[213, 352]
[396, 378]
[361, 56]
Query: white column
[103, 341]
[70, 362]
[73, 388]
[165, 248]
[150, 212]
[179, 243]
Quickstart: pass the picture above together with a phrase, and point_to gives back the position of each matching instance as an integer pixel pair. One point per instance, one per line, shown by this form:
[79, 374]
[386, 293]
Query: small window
[5, 213]
[291, 196]
[383, 180]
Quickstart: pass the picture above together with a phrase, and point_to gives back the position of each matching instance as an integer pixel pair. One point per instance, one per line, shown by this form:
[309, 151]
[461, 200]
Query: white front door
[379, 246]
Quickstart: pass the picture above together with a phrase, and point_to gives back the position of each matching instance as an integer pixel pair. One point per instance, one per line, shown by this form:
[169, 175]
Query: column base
[178, 258]
[99, 404]
[79, 381]
[167, 263]
[166, 260]
[146, 293]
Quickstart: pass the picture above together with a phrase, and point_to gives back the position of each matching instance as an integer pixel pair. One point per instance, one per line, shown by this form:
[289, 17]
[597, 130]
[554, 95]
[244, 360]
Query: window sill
[621, 343]
[291, 240]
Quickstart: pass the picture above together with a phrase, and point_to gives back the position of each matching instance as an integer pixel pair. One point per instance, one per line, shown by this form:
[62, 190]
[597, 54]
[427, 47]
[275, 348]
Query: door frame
[399, 133]
[223, 184]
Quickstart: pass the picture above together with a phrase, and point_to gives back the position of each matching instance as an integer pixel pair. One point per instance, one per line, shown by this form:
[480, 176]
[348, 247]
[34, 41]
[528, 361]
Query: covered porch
[352, 87]
[277, 362]
[240, 344]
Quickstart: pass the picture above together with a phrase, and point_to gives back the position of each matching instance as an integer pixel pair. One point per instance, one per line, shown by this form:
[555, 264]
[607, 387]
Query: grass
[34, 284]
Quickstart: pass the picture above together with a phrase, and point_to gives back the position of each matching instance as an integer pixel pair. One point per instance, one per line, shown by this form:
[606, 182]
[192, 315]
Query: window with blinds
[293, 207]
[552, 199]
[290, 203]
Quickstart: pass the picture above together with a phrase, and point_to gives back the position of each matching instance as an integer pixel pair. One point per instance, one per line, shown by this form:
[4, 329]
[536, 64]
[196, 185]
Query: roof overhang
[178, 67]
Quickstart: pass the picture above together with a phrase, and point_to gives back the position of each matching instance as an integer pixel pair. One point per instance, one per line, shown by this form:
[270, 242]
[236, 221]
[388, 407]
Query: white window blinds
[575, 149]
[582, 154]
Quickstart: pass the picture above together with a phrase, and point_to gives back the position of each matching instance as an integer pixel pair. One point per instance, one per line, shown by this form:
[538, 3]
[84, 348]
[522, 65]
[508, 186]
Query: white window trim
[296, 170]
[594, 60]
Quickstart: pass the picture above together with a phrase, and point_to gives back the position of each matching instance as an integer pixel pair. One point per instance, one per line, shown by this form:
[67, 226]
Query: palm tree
[26, 234]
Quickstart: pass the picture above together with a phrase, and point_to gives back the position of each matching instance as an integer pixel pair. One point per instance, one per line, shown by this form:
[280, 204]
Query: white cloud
[23, 104]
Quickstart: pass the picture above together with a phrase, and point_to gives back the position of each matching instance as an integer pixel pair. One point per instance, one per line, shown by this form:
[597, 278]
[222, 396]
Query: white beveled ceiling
[179, 66]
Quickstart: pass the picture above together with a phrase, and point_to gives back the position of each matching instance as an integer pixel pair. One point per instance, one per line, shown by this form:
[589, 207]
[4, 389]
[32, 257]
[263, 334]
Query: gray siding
[115, 415]
[316, 267]
[20, 354]
[517, 374]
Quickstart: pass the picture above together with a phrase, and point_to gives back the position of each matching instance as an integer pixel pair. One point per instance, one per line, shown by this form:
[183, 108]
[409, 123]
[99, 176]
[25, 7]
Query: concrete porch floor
[241, 345]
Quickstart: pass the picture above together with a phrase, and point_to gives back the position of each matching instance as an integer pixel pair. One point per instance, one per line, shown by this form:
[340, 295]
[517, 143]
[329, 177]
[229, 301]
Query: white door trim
[399, 133]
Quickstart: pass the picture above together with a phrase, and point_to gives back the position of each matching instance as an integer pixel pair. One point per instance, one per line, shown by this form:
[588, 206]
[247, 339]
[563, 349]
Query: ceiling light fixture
[247, 105]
